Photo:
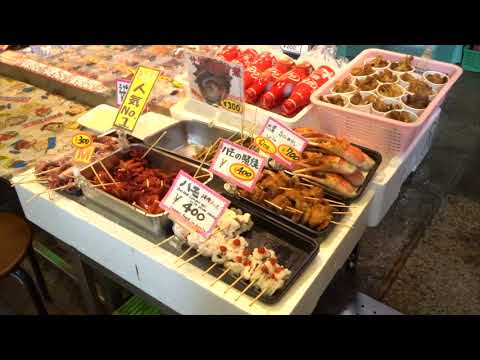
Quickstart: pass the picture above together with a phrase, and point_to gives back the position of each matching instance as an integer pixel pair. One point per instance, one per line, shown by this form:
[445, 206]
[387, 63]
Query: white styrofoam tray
[100, 120]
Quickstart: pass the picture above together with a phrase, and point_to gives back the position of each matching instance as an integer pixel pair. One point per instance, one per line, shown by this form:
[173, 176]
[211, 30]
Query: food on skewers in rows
[285, 195]
[336, 146]
[134, 181]
[58, 170]
[226, 247]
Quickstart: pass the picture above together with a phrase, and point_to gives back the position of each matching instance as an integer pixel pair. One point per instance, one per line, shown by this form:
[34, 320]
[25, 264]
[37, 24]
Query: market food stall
[279, 232]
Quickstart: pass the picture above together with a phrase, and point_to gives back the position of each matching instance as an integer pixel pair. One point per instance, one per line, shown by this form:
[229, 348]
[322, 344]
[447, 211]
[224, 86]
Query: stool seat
[15, 241]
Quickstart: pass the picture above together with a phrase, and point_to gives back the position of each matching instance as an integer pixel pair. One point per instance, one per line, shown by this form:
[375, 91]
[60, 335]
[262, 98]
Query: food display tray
[158, 224]
[368, 129]
[294, 251]
[183, 136]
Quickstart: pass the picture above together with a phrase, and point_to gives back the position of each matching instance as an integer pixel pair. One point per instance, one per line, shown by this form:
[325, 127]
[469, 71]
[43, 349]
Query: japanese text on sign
[193, 204]
[136, 98]
[282, 143]
[237, 165]
[84, 148]
[122, 89]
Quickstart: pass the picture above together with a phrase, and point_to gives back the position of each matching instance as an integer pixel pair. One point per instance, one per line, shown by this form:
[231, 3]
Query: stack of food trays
[382, 98]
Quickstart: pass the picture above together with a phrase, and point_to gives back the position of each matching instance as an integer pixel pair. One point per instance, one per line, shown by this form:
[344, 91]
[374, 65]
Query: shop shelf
[471, 59]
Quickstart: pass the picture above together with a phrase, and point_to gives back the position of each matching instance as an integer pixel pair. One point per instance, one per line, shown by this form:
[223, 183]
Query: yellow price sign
[81, 140]
[265, 145]
[232, 105]
[136, 98]
[83, 155]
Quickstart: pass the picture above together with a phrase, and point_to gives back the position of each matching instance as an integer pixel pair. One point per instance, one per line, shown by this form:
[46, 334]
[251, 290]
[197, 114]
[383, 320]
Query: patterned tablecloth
[33, 124]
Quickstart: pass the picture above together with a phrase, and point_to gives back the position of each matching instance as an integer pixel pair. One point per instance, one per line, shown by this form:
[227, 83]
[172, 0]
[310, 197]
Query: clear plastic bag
[324, 55]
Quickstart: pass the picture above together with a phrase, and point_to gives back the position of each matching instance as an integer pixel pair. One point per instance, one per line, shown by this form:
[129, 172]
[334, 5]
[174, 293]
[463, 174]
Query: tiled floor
[424, 256]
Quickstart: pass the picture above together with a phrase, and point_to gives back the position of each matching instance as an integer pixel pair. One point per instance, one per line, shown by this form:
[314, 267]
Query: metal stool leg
[23, 278]
[38, 275]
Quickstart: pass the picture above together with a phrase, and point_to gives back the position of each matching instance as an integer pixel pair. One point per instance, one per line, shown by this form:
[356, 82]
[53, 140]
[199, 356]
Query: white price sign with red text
[237, 165]
[194, 205]
[281, 143]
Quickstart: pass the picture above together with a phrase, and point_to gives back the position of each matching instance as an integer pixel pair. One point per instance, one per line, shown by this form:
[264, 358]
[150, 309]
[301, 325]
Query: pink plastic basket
[388, 136]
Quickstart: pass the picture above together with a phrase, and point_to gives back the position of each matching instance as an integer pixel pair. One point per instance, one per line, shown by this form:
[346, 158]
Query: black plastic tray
[294, 251]
[285, 221]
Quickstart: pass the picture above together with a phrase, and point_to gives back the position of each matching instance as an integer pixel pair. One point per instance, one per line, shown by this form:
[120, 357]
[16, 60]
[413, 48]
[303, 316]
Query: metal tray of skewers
[132, 188]
[279, 251]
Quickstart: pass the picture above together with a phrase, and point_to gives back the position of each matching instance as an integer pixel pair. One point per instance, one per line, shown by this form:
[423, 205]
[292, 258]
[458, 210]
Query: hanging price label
[136, 98]
[237, 165]
[281, 143]
[84, 149]
[191, 203]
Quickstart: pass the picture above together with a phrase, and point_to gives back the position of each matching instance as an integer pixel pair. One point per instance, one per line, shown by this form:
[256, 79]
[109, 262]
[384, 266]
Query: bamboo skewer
[258, 296]
[208, 270]
[165, 241]
[189, 259]
[233, 284]
[107, 184]
[273, 204]
[341, 212]
[220, 277]
[205, 158]
[96, 175]
[43, 192]
[344, 206]
[246, 289]
[184, 253]
[153, 145]
[337, 223]
[108, 172]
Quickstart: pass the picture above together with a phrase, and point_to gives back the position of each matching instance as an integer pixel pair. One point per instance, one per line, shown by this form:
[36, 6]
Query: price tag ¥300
[84, 149]
[237, 165]
[193, 204]
[281, 143]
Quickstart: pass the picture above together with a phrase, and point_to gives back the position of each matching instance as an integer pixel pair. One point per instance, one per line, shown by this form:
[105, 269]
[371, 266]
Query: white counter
[133, 258]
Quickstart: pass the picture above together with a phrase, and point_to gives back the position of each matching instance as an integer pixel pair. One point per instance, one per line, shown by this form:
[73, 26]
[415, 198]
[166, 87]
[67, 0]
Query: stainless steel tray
[158, 225]
[187, 137]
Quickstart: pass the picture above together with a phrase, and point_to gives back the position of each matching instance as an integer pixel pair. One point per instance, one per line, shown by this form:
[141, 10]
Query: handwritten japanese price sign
[191, 203]
[122, 86]
[237, 165]
[84, 149]
[281, 143]
[136, 98]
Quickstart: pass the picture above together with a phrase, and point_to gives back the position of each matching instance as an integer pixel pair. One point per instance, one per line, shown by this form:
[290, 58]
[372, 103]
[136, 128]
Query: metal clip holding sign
[217, 83]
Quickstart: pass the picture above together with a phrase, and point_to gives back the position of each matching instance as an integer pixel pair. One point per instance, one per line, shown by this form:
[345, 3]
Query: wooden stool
[15, 244]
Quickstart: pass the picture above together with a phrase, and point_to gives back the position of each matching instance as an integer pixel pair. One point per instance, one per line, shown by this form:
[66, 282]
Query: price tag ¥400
[281, 143]
[191, 203]
[237, 165]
